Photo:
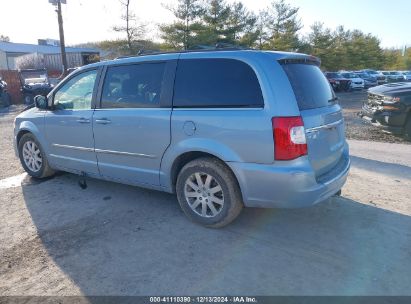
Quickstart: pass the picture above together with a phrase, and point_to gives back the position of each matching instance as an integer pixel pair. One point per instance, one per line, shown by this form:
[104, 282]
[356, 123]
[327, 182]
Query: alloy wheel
[32, 156]
[204, 194]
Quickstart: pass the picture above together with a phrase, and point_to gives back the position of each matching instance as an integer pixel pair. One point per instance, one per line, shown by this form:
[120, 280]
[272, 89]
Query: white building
[49, 55]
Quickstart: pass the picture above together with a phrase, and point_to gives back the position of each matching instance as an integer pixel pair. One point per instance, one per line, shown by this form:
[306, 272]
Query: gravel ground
[356, 128]
[9, 166]
[113, 239]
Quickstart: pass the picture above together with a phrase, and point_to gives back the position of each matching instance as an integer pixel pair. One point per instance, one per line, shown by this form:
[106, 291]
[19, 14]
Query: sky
[26, 21]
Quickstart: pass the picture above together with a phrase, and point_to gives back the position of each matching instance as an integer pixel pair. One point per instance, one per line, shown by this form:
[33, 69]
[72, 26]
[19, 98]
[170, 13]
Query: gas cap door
[189, 128]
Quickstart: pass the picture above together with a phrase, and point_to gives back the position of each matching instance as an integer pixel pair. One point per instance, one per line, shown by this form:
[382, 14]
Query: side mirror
[41, 102]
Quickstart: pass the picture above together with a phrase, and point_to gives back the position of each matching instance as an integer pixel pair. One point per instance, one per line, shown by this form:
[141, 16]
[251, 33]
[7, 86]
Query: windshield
[34, 75]
[349, 75]
[31, 81]
[334, 75]
[311, 88]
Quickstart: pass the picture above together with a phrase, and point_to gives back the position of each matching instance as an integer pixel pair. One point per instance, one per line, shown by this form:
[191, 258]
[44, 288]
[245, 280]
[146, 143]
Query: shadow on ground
[112, 239]
[390, 169]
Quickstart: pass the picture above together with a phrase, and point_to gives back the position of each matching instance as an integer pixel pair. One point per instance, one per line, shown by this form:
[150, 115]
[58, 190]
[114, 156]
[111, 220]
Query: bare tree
[4, 38]
[30, 61]
[133, 29]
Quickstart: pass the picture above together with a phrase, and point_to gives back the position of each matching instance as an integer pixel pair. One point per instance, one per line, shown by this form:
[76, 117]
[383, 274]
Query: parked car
[369, 81]
[4, 95]
[407, 75]
[338, 81]
[381, 78]
[393, 76]
[221, 129]
[357, 83]
[34, 82]
[389, 107]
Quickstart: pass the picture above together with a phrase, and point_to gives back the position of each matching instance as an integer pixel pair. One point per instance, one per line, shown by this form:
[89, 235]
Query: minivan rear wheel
[208, 193]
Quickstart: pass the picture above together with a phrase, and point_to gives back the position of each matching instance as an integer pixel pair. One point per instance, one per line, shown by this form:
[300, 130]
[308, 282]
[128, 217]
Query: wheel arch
[188, 156]
[20, 135]
[29, 127]
[177, 155]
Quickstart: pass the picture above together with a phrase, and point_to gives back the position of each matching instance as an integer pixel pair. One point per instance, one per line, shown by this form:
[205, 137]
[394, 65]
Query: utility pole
[61, 32]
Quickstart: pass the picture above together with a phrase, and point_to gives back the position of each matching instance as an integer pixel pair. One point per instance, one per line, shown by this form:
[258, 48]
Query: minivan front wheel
[208, 193]
[33, 158]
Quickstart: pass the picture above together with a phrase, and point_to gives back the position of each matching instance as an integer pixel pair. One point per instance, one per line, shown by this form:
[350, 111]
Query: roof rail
[197, 48]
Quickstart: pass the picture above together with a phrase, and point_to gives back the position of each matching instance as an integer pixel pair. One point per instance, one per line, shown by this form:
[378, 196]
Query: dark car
[34, 82]
[4, 96]
[381, 78]
[338, 81]
[389, 107]
[369, 80]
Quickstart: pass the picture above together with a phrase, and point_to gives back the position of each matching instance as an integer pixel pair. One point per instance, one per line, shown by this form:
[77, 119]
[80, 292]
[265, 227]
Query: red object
[284, 147]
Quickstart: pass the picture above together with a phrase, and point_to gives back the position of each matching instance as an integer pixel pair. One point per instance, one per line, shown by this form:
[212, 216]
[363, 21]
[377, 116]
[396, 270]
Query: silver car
[407, 75]
[223, 129]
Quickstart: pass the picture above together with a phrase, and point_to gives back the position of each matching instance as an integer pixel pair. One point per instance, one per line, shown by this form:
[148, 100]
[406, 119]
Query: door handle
[83, 120]
[103, 121]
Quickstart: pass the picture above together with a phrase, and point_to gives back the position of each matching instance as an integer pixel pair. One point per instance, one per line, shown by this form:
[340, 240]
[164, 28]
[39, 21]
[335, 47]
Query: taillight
[289, 137]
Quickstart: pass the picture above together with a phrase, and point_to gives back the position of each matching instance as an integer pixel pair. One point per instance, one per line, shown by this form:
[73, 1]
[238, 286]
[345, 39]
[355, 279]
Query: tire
[5, 99]
[30, 148]
[407, 128]
[28, 99]
[227, 203]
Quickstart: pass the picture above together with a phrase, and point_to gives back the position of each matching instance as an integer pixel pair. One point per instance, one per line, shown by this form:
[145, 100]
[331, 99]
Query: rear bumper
[291, 184]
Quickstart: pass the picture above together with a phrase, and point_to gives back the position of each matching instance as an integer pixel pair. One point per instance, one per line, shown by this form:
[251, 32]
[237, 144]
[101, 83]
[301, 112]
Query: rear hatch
[322, 116]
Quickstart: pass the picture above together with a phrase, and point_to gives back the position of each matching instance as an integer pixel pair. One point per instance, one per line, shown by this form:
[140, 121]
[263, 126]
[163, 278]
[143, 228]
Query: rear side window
[133, 86]
[311, 88]
[216, 83]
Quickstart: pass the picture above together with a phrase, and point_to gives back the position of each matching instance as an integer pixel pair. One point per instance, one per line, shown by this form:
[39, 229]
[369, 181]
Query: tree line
[202, 23]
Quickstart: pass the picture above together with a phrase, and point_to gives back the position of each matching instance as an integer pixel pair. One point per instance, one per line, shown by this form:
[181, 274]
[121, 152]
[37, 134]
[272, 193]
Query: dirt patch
[9, 164]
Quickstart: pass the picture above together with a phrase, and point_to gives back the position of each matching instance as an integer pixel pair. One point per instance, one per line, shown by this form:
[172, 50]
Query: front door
[69, 125]
[132, 126]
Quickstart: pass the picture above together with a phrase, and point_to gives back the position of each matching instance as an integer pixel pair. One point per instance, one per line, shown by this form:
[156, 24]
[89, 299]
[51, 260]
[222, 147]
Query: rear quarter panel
[233, 134]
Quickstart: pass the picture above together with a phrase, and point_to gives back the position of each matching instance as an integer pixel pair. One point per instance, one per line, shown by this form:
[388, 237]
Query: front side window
[133, 86]
[77, 93]
[216, 83]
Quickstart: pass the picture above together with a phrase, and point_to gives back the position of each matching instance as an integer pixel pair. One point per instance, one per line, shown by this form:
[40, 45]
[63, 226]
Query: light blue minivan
[222, 129]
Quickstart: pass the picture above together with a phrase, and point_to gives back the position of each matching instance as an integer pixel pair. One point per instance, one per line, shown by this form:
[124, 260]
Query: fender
[35, 129]
[205, 145]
